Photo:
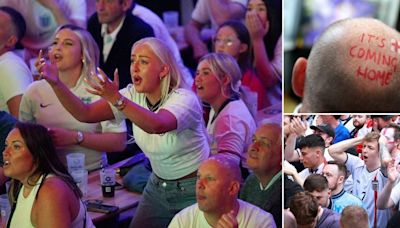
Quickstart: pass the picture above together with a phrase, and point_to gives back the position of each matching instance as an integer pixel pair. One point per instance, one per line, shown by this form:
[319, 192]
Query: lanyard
[375, 188]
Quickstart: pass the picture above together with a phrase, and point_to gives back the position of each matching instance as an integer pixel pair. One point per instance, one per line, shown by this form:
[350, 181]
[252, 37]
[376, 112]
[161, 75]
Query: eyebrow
[14, 141]
[205, 68]
[140, 56]
[66, 39]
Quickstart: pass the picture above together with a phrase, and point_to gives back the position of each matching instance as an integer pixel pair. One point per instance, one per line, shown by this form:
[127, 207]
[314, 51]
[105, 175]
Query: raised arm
[89, 113]
[268, 75]
[337, 150]
[290, 170]
[297, 128]
[384, 200]
[150, 122]
[193, 37]
[290, 151]
[223, 10]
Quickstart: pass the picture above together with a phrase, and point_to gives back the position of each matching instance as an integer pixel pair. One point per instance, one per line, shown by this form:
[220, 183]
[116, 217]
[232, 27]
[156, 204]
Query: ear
[299, 76]
[226, 80]
[243, 47]
[164, 71]
[234, 188]
[126, 5]
[330, 140]
[11, 41]
[341, 179]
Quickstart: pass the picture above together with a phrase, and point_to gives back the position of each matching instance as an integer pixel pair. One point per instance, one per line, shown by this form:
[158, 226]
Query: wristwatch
[120, 103]
[79, 137]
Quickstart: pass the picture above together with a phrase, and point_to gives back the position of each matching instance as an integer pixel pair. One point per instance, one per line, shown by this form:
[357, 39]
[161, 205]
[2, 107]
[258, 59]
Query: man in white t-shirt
[216, 12]
[14, 74]
[368, 179]
[217, 187]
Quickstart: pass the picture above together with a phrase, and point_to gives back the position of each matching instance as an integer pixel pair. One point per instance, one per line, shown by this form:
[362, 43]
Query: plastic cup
[5, 209]
[171, 19]
[107, 180]
[81, 179]
[75, 161]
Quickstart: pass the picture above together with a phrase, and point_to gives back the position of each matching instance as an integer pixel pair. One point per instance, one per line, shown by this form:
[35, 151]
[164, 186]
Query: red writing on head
[367, 54]
[372, 39]
[381, 76]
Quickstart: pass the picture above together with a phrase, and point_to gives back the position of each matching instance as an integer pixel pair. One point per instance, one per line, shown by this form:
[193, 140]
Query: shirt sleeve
[15, 80]
[186, 108]
[229, 134]
[353, 162]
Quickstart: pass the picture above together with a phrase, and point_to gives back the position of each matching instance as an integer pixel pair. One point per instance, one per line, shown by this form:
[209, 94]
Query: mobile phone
[101, 208]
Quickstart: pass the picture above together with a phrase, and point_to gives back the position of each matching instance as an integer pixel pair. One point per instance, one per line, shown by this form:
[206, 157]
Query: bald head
[227, 165]
[354, 67]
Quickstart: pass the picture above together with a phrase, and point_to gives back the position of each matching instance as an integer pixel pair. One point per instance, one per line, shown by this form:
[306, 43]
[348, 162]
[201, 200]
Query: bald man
[217, 187]
[353, 67]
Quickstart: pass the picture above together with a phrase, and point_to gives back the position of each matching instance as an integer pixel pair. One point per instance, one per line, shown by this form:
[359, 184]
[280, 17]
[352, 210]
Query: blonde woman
[167, 125]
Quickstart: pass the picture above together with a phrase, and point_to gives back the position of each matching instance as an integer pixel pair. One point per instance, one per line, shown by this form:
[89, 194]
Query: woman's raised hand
[47, 69]
[255, 27]
[104, 87]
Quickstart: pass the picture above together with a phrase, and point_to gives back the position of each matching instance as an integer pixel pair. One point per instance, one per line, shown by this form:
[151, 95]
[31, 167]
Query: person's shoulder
[329, 218]
[93, 24]
[38, 86]
[54, 185]
[137, 24]
[252, 213]
[191, 211]
[252, 209]
[250, 185]
[10, 59]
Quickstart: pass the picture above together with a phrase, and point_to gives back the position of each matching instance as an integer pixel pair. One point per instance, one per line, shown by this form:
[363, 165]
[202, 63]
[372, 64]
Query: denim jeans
[162, 200]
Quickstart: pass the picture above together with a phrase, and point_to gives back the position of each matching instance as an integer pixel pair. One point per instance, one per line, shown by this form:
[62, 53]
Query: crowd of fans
[359, 170]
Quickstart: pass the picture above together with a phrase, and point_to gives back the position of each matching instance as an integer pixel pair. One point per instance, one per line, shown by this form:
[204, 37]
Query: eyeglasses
[227, 41]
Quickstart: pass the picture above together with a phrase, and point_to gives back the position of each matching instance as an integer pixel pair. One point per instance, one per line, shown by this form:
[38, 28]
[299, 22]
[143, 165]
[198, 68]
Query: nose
[197, 78]
[199, 184]
[134, 66]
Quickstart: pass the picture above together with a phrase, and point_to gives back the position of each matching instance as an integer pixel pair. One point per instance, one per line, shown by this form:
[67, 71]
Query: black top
[132, 30]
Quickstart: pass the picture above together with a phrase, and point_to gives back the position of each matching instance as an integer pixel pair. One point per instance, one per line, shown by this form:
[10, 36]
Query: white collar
[114, 33]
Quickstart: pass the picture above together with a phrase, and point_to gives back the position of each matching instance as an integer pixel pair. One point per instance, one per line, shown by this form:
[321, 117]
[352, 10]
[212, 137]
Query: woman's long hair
[44, 154]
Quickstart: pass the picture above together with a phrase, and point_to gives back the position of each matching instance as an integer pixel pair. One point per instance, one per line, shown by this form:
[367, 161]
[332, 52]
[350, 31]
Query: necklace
[153, 107]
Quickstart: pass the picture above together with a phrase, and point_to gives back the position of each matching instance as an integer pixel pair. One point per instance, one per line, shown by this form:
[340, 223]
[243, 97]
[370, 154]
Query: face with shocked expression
[18, 160]
[147, 70]
[208, 87]
[66, 50]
